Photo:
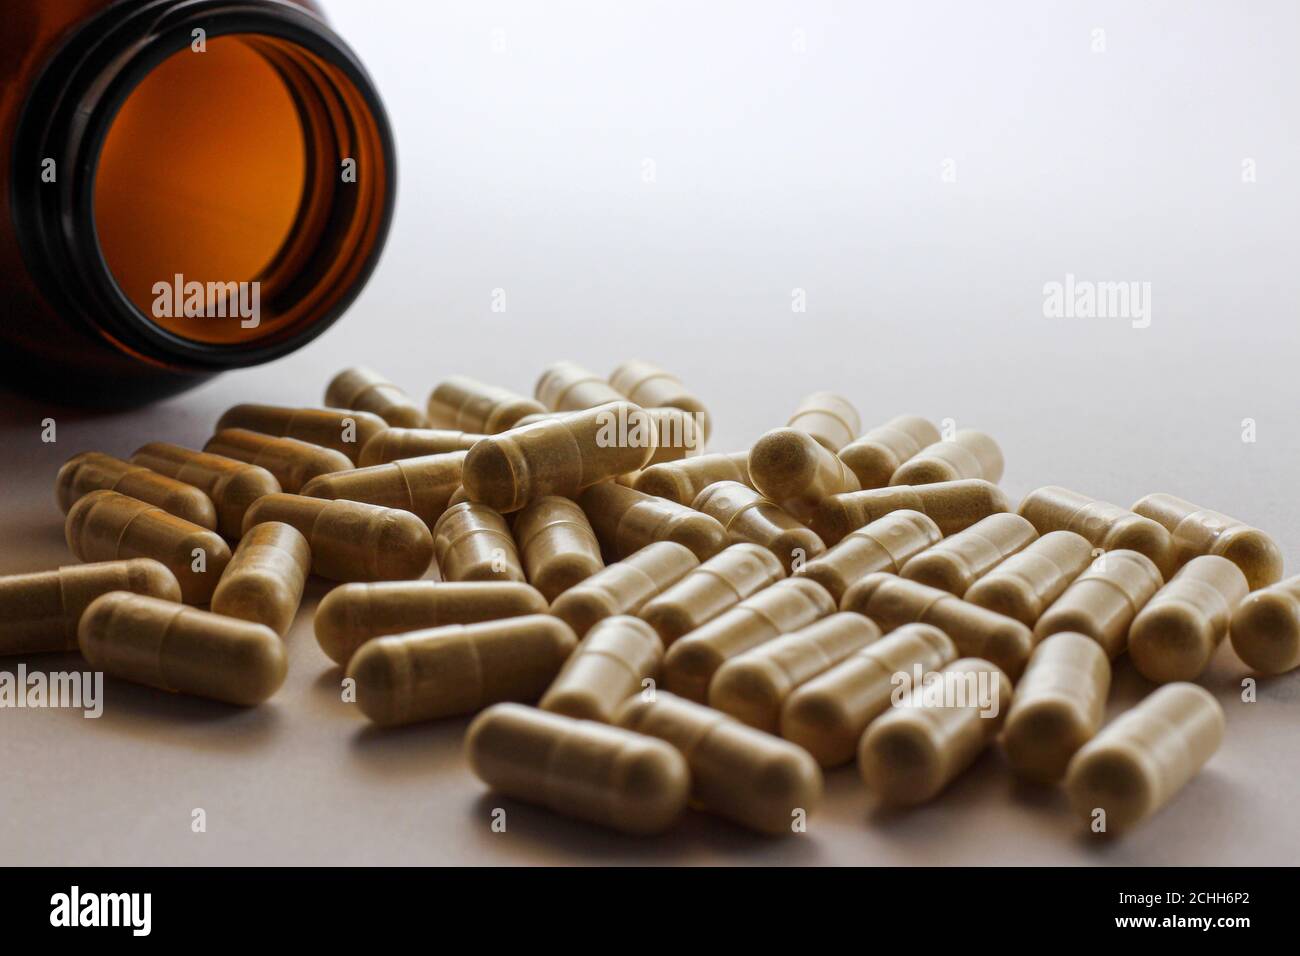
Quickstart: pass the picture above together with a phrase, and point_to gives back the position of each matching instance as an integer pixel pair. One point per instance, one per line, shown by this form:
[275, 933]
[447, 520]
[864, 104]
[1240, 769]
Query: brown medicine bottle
[187, 186]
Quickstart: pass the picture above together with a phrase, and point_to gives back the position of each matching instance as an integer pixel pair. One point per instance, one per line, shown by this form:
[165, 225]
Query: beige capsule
[344, 430]
[1025, 584]
[1143, 757]
[469, 405]
[351, 540]
[423, 486]
[910, 753]
[748, 516]
[879, 453]
[625, 587]
[786, 606]
[366, 390]
[1177, 632]
[952, 505]
[884, 545]
[579, 768]
[350, 615]
[264, 580]
[789, 467]
[737, 772]
[678, 435]
[394, 444]
[625, 521]
[92, 471]
[719, 583]
[108, 526]
[650, 386]
[753, 686]
[458, 668]
[827, 417]
[682, 481]
[968, 454]
[231, 484]
[292, 462]
[39, 612]
[471, 542]
[557, 545]
[568, 387]
[182, 649]
[619, 657]
[1103, 601]
[892, 602]
[955, 563]
[1265, 628]
[1197, 530]
[1109, 527]
[828, 714]
[1060, 702]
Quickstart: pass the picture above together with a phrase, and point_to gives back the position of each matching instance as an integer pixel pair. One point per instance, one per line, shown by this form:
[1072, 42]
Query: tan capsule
[459, 668]
[1103, 601]
[182, 649]
[827, 417]
[578, 768]
[91, 471]
[719, 583]
[39, 612]
[884, 545]
[892, 602]
[368, 391]
[350, 540]
[786, 606]
[748, 516]
[1060, 702]
[789, 467]
[625, 521]
[232, 485]
[264, 580]
[753, 686]
[292, 462]
[559, 456]
[1266, 628]
[394, 444]
[910, 753]
[466, 404]
[568, 387]
[344, 430]
[1025, 584]
[107, 526]
[650, 386]
[1177, 632]
[1144, 756]
[423, 486]
[682, 481]
[968, 454]
[952, 505]
[827, 715]
[879, 453]
[625, 587]
[955, 563]
[737, 772]
[1109, 527]
[678, 435]
[471, 542]
[1198, 530]
[614, 661]
[557, 545]
[350, 615]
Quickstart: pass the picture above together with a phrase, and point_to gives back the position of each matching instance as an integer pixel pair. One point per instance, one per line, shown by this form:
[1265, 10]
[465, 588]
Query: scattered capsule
[1198, 530]
[616, 659]
[92, 471]
[789, 467]
[955, 563]
[292, 462]
[968, 454]
[682, 481]
[264, 580]
[625, 587]
[1109, 527]
[719, 583]
[368, 391]
[1266, 628]
[650, 386]
[678, 435]
[952, 505]
[1177, 632]
[1104, 600]
[465, 404]
[1025, 584]
[884, 545]
[827, 417]
[625, 521]
[394, 444]
[879, 453]
[232, 485]
[748, 516]
[568, 387]
[343, 430]
[423, 486]
[558, 547]
[471, 542]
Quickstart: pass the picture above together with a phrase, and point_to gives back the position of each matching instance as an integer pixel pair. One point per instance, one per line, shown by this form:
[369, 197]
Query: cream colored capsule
[350, 615]
[650, 386]
[952, 505]
[625, 521]
[1025, 584]
[748, 516]
[719, 583]
[827, 417]
[786, 606]
[968, 454]
[350, 540]
[471, 542]
[678, 435]
[459, 668]
[892, 602]
[884, 545]
[232, 485]
[91, 471]
[1059, 705]
[1109, 527]
[1143, 757]
[1266, 628]
[107, 526]
[568, 387]
[368, 391]
[182, 649]
[1104, 600]
[789, 467]
[557, 545]
[423, 486]
[1177, 632]
[827, 714]
[469, 405]
[1198, 530]
[910, 753]
[955, 563]
[394, 444]
[737, 772]
[292, 462]
[616, 659]
[344, 430]
[879, 453]
[39, 612]
[682, 481]
[578, 768]
[624, 587]
[264, 580]
[753, 686]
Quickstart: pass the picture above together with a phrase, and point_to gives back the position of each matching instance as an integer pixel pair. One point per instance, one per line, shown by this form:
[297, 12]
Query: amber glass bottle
[188, 186]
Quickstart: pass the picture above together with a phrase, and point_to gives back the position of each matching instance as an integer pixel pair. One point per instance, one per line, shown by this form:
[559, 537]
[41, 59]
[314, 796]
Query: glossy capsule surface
[1176, 633]
[291, 461]
[471, 542]
[466, 404]
[879, 453]
[1025, 584]
[1109, 527]
[952, 505]
[625, 521]
[682, 481]
[1265, 628]
[968, 454]
[1103, 601]
[616, 659]
[568, 387]
[650, 386]
[705, 592]
[1197, 531]
[791, 468]
[231, 484]
[957, 562]
[366, 390]
[556, 544]
[829, 418]
[884, 545]
[624, 587]
[92, 471]
[344, 430]
[394, 444]
[749, 517]
[265, 578]
[423, 486]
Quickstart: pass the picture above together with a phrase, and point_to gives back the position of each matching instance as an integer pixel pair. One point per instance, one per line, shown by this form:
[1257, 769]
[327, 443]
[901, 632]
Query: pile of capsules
[644, 625]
